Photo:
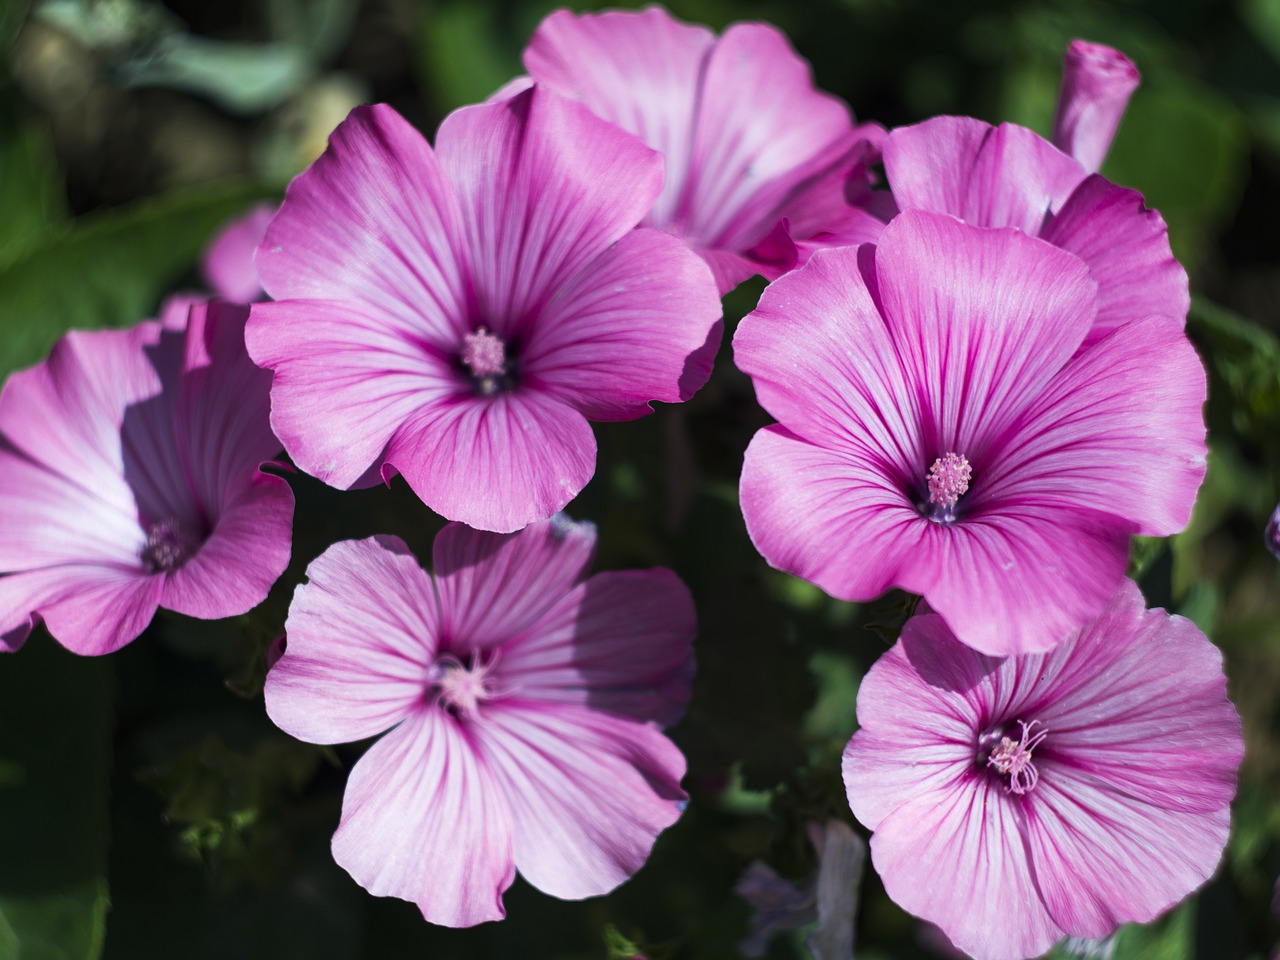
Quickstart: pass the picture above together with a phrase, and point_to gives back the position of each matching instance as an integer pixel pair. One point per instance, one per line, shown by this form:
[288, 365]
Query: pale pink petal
[227, 263]
[823, 363]
[621, 642]
[1119, 431]
[48, 519]
[639, 69]
[1127, 249]
[424, 820]
[1004, 176]
[629, 329]
[546, 186]
[362, 636]
[496, 463]
[346, 378]
[764, 134]
[373, 220]
[492, 587]
[954, 855]
[245, 554]
[90, 610]
[827, 516]
[588, 792]
[1021, 577]
[983, 319]
[1097, 82]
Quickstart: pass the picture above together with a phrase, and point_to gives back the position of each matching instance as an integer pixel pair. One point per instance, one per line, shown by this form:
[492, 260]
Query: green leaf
[55, 711]
[31, 194]
[108, 270]
[1170, 938]
[461, 58]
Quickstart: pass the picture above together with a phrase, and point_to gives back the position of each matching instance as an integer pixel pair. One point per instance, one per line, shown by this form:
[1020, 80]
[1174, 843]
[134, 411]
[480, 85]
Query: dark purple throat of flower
[168, 546]
[484, 355]
[461, 688]
[948, 481]
[1011, 758]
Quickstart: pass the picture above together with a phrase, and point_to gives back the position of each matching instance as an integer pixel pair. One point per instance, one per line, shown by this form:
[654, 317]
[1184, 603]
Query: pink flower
[1007, 176]
[1271, 535]
[761, 167]
[521, 699]
[941, 430]
[459, 315]
[227, 264]
[131, 463]
[1071, 791]
[1097, 82]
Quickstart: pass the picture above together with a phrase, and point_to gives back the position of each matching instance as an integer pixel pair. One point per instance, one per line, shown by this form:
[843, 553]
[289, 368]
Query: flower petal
[764, 136]
[1127, 249]
[638, 69]
[227, 263]
[1119, 431]
[546, 187]
[589, 792]
[629, 329]
[496, 463]
[493, 586]
[621, 642]
[90, 610]
[346, 378]
[983, 320]
[362, 635]
[423, 820]
[1004, 176]
[372, 220]
[825, 516]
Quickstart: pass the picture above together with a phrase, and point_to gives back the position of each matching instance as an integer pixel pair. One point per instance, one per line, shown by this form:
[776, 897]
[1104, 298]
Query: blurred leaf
[55, 714]
[108, 270]
[13, 13]
[319, 26]
[1186, 148]
[1172, 937]
[1245, 359]
[460, 55]
[244, 78]
[31, 194]
[1263, 17]
[117, 27]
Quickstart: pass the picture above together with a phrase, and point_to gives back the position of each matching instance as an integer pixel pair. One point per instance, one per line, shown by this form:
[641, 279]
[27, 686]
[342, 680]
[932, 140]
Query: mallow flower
[458, 315]
[132, 480]
[227, 263]
[942, 430]
[1017, 801]
[1008, 176]
[521, 701]
[761, 166]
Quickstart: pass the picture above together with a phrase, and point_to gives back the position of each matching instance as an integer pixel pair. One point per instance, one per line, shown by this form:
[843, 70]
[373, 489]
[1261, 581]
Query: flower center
[460, 688]
[485, 357]
[1012, 758]
[948, 481]
[167, 547]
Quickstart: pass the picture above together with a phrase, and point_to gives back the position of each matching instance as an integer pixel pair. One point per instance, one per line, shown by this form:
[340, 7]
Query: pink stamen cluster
[462, 689]
[1014, 759]
[949, 479]
[484, 354]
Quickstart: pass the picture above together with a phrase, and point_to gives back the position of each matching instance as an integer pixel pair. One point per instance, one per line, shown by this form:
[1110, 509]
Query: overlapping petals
[1129, 808]
[391, 262]
[523, 697]
[761, 166]
[131, 462]
[951, 341]
[1007, 176]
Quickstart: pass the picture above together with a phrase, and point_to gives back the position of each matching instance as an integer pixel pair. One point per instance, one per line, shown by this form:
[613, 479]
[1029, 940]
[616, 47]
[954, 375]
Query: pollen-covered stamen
[461, 688]
[484, 354]
[167, 547]
[1014, 759]
[949, 479]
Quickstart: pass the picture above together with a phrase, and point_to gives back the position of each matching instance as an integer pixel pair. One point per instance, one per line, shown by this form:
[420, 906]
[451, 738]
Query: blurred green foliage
[125, 141]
